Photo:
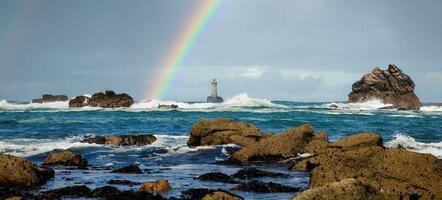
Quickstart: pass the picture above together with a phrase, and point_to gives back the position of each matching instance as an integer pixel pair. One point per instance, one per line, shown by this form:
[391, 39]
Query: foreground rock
[108, 99]
[19, 172]
[208, 194]
[391, 86]
[131, 169]
[217, 177]
[156, 186]
[288, 144]
[65, 157]
[122, 140]
[223, 131]
[395, 173]
[348, 189]
[261, 187]
[358, 141]
[47, 98]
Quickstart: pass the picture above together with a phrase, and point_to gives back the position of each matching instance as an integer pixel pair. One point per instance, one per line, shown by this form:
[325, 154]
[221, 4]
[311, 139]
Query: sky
[309, 50]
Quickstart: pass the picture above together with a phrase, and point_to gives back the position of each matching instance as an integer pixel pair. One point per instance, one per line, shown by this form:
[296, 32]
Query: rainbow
[181, 48]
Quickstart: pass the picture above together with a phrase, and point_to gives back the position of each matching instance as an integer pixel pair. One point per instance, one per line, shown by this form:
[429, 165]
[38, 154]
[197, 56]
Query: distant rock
[122, 140]
[47, 98]
[19, 172]
[261, 187]
[440, 105]
[391, 86]
[217, 177]
[166, 106]
[156, 186]
[208, 194]
[108, 99]
[333, 106]
[65, 157]
[223, 131]
[131, 169]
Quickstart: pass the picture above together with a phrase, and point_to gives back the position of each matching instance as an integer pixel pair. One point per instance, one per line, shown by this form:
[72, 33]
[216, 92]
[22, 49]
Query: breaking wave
[373, 104]
[431, 108]
[410, 143]
[4, 105]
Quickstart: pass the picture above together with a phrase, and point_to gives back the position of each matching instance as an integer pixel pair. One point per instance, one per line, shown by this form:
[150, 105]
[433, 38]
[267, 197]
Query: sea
[32, 130]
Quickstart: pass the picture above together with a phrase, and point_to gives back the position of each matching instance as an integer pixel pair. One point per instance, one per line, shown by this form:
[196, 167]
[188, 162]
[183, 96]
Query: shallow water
[31, 130]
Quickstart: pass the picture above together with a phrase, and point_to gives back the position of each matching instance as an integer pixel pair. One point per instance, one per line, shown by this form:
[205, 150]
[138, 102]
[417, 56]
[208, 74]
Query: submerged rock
[217, 177]
[122, 182]
[107, 192]
[261, 187]
[391, 86]
[72, 191]
[65, 157]
[16, 171]
[131, 169]
[208, 194]
[223, 131]
[108, 99]
[122, 140]
[165, 106]
[156, 186]
[348, 189]
[252, 172]
[47, 98]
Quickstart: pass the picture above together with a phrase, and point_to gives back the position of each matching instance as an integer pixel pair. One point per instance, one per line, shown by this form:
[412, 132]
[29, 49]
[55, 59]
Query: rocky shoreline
[355, 167]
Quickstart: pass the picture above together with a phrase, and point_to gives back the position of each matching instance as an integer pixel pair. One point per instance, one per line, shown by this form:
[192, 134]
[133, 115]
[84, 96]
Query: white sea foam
[4, 105]
[410, 143]
[373, 104]
[431, 108]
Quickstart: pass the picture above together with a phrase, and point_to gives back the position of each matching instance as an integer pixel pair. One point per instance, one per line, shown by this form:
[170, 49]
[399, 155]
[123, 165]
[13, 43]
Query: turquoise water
[31, 130]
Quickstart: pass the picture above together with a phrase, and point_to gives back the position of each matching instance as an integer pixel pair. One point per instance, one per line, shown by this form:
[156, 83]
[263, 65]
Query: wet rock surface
[217, 177]
[65, 157]
[252, 172]
[223, 131]
[47, 98]
[156, 186]
[391, 86]
[108, 99]
[16, 171]
[208, 194]
[262, 187]
[122, 140]
[131, 169]
[122, 182]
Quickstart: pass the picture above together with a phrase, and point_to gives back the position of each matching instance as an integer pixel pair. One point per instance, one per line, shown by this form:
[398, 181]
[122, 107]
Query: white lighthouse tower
[214, 98]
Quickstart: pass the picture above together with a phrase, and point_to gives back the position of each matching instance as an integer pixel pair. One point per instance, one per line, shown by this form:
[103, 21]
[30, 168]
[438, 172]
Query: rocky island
[108, 99]
[47, 98]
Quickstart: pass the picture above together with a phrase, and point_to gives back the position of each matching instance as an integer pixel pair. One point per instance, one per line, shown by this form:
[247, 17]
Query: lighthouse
[214, 98]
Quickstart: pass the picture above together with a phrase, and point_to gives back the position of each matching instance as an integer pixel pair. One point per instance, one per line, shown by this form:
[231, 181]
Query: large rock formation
[122, 140]
[223, 131]
[47, 98]
[108, 99]
[16, 171]
[65, 157]
[391, 86]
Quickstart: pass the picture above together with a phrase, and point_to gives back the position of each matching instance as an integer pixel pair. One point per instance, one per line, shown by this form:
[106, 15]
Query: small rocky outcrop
[65, 157]
[281, 146]
[131, 169]
[391, 86]
[122, 140]
[208, 194]
[348, 189]
[72, 191]
[252, 172]
[108, 99]
[47, 98]
[166, 106]
[223, 131]
[156, 186]
[19, 172]
[261, 187]
[217, 177]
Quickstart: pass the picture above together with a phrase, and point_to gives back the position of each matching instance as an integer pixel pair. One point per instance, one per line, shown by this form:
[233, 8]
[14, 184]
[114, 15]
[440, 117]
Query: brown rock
[261, 187]
[156, 186]
[208, 194]
[396, 173]
[122, 140]
[108, 99]
[14, 198]
[223, 131]
[348, 189]
[64, 157]
[358, 141]
[221, 195]
[16, 171]
[391, 86]
[333, 106]
[47, 98]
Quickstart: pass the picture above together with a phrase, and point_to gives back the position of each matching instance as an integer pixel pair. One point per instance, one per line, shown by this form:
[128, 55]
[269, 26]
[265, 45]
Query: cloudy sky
[280, 50]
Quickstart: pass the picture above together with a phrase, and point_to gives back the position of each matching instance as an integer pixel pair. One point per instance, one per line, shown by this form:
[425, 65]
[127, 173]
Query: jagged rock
[156, 186]
[223, 131]
[16, 171]
[64, 157]
[107, 192]
[122, 182]
[252, 172]
[208, 194]
[396, 173]
[165, 106]
[357, 141]
[391, 86]
[108, 99]
[217, 177]
[348, 189]
[261, 187]
[47, 98]
[281, 146]
[131, 169]
[122, 140]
